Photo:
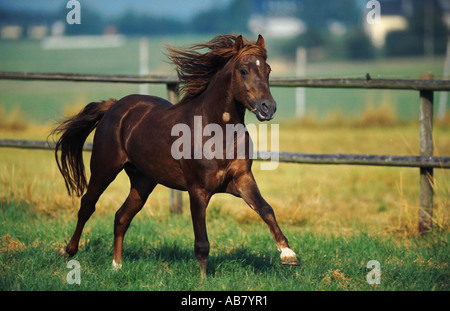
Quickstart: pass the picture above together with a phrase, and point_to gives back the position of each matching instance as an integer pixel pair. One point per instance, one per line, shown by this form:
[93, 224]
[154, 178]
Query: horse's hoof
[290, 261]
[116, 266]
[67, 252]
[288, 257]
[63, 252]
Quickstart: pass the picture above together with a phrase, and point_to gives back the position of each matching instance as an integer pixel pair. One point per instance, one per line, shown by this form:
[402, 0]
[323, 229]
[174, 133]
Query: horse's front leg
[199, 200]
[245, 187]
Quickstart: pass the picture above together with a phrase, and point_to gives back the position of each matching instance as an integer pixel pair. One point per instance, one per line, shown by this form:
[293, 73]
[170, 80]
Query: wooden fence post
[426, 149]
[176, 198]
[143, 64]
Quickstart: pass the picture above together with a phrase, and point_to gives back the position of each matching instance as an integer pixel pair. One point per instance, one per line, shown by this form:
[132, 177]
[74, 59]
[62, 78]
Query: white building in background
[11, 32]
[276, 18]
[394, 17]
[281, 27]
[378, 32]
[57, 29]
[37, 32]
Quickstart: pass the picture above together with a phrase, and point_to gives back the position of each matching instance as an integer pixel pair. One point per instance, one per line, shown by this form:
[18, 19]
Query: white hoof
[116, 266]
[288, 257]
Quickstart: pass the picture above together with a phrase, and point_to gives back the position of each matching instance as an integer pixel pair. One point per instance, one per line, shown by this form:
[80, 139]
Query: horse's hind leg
[141, 187]
[104, 170]
[87, 208]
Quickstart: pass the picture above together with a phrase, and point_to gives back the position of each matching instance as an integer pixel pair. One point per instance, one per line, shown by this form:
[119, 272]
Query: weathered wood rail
[425, 161]
[289, 157]
[357, 83]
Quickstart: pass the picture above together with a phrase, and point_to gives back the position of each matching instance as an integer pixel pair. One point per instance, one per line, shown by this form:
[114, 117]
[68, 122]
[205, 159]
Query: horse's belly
[161, 169]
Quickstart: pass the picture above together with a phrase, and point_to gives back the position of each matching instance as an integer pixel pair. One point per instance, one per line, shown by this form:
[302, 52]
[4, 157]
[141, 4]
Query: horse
[135, 134]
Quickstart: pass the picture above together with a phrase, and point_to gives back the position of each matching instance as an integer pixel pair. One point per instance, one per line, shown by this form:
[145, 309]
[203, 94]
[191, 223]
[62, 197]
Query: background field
[43, 101]
[337, 218]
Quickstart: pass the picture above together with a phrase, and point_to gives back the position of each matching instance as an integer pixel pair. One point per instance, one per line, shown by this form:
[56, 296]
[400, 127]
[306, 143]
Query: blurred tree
[312, 38]
[91, 22]
[411, 41]
[359, 46]
[233, 18]
[318, 15]
[134, 23]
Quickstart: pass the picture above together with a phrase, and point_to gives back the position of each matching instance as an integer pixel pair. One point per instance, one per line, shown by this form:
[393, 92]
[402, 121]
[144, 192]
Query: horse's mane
[195, 69]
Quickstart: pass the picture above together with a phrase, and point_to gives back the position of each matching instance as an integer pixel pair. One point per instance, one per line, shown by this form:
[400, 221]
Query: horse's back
[146, 102]
[129, 112]
[126, 114]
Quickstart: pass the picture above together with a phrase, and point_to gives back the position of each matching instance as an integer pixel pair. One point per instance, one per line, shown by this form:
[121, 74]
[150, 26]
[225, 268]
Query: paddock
[426, 162]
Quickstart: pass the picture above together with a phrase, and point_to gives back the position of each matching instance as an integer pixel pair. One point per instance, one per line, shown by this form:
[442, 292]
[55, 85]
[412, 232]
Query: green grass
[337, 218]
[159, 255]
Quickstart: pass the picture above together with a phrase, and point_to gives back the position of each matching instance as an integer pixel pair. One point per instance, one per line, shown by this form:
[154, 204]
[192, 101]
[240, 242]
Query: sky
[183, 9]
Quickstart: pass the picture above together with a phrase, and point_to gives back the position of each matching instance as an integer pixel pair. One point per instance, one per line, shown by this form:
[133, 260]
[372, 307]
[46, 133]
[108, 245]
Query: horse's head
[250, 79]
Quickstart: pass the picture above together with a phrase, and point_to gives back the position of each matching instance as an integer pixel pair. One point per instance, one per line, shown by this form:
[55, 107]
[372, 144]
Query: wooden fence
[425, 161]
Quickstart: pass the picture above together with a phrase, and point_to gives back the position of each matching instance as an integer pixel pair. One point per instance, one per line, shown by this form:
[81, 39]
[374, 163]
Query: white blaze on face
[258, 63]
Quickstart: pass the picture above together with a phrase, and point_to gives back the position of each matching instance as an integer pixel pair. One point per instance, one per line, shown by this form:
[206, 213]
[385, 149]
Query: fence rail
[289, 157]
[359, 83]
[76, 77]
[425, 161]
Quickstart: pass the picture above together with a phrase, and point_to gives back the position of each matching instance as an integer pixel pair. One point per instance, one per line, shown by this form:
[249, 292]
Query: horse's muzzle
[265, 109]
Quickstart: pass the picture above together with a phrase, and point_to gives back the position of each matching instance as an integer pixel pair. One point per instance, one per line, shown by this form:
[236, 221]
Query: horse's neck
[217, 103]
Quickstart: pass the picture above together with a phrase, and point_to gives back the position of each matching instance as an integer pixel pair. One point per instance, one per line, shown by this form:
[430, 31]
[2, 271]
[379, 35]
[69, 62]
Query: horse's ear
[238, 44]
[261, 42]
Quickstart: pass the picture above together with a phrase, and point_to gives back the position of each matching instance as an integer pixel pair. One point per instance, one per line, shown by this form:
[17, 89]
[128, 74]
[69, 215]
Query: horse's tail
[75, 131]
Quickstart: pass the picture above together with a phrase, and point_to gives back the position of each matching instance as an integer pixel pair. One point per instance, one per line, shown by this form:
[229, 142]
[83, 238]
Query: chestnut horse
[135, 134]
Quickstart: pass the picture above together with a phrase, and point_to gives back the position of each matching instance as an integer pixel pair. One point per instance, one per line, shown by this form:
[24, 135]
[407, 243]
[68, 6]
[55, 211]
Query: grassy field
[337, 218]
[159, 256]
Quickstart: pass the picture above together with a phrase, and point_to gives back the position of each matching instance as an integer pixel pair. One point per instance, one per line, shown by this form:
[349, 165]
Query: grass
[336, 218]
[243, 257]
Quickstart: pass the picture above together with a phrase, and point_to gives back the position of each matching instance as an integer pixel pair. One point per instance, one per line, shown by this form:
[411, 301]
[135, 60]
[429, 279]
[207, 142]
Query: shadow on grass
[236, 259]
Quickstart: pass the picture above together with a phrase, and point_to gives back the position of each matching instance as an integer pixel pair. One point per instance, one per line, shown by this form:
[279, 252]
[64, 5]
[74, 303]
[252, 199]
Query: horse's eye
[244, 71]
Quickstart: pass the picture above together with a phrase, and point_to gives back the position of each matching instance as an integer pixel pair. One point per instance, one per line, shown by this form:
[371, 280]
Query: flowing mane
[195, 69]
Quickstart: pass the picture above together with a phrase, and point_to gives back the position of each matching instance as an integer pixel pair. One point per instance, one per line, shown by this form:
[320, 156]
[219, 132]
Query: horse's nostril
[264, 107]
